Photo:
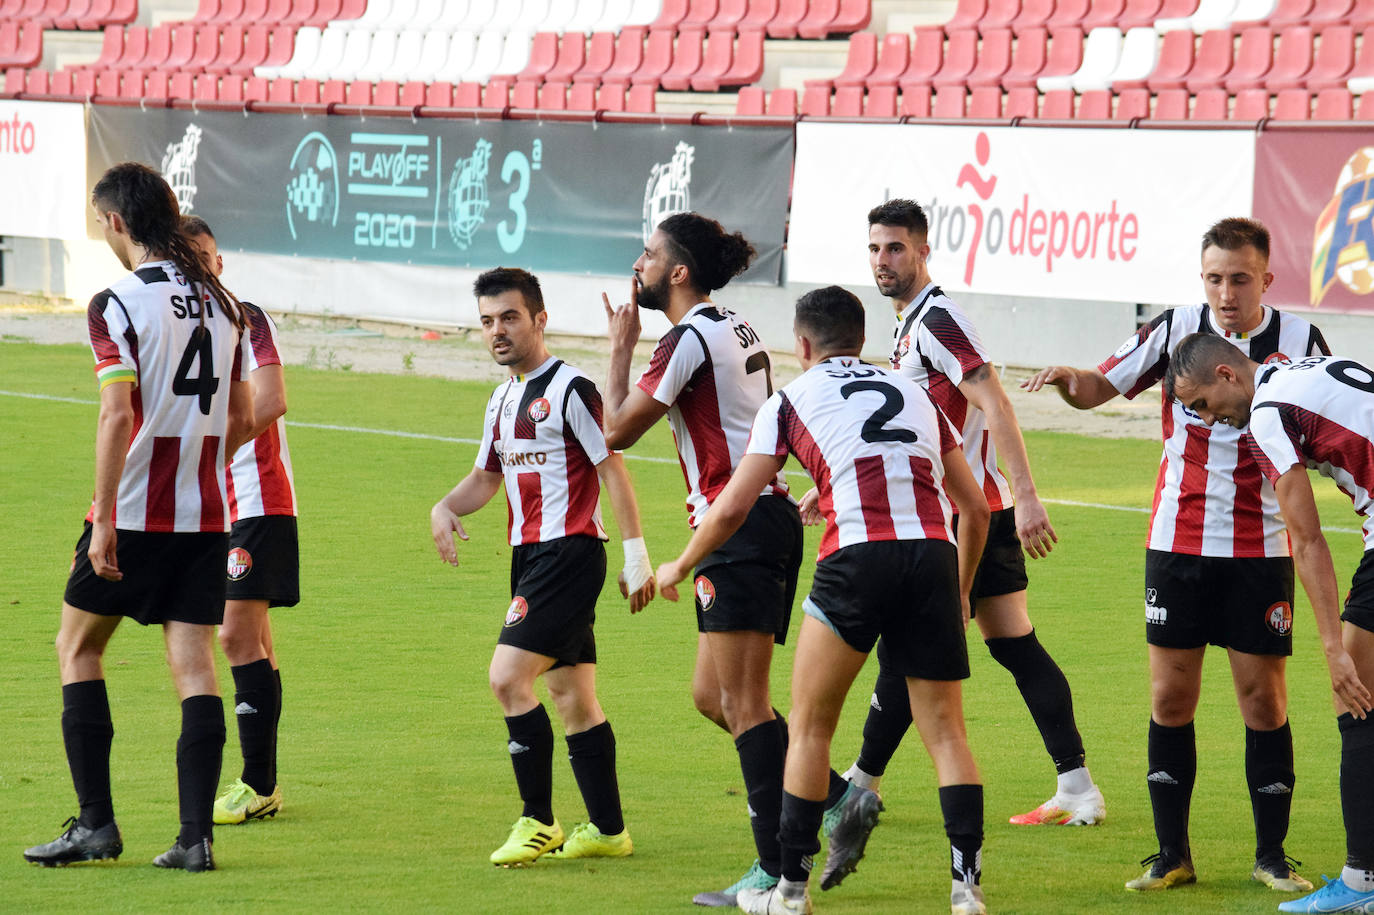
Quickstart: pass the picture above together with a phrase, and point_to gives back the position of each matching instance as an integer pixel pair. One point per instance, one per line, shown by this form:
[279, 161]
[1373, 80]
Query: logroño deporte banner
[1095, 214]
[573, 197]
[42, 148]
[1313, 190]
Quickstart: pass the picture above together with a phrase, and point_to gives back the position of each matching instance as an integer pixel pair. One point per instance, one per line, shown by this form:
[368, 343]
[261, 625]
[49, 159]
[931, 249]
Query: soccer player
[264, 563]
[883, 458]
[542, 435]
[1319, 413]
[169, 351]
[1215, 519]
[710, 374]
[937, 346]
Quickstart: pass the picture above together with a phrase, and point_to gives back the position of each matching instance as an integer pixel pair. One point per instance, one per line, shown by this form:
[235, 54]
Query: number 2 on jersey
[205, 384]
[875, 427]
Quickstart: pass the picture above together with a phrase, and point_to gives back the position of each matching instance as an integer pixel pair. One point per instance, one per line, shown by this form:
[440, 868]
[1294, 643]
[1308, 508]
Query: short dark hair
[900, 212]
[1235, 232]
[194, 226]
[712, 256]
[504, 279]
[1196, 357]
[832, 318]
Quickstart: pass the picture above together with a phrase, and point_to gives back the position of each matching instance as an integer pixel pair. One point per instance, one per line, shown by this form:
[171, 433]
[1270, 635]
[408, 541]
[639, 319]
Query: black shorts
[1359, 603]
[907, 592]
[1002, 568]
[265, 561]
[167, 578]
[1245, 604]
[750, 582]
[554, 587]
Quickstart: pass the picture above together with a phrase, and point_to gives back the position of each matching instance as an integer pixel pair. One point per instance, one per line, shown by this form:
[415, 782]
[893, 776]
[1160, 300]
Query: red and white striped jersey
[144, 330]
[1318, 412]
[1210, 498]
[260, 481]
[543, 432]
[872, 440]
[712, 372]
[936, 345]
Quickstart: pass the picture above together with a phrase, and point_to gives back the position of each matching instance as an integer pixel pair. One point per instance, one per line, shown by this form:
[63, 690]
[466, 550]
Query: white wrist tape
[638, 571]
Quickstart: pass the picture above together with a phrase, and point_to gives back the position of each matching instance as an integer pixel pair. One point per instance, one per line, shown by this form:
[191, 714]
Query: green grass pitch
[393, 761]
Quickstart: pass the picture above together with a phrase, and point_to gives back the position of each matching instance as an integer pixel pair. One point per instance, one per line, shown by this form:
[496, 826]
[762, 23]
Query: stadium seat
[1364, 108]
[1021, 102]
[1361, 15]
[1103, 13]
[387, 93]
[524, 94]
[1209, 15]
[949, 101]
[1334, 59]
[658, 57]
[1334, 104]
[915, 102]
[1254, 58]
[859, 63]
[410, 45]
[205, 87]
[358, 92]
[1293, 59]
[1033, 14]
[1251, 13]
[880, 102]
[357, 48]
[496, 94]
[1101, 54]
[534, 17]
[180, 85]
[159, 46]
[435, 95]
[670, 14]
[412, 93]
[1132, 104]
[281, 90]
[629, 57]
[1250, 105]
[543, 55]
[348, 9]
[1212, 62]
[206, 43]
[1175, 9]
[375, 15]
[458, 57]
[1095, 105]
[783, 103]
[699, 13]
[967, 15]
[226, 11]
[515, 53]
[759, 14]
[14, 81]
[642, 12]
[255, 89]
[1065, 54]
[961, 53]
[1057, 104]
[1067, 13]
[232, 88]
[984, 102]
[815, 101]
[476, 16]
[1292, 105]
[588, 17]
[687, 58]
[380, 58]
[600, 57]
[111, 48]
[927, 55]
[466, 95]
[572, 56]
[1138, 14]
[305, 48]
[1172, 66]
[1210, 105]
[1171, 105]
[118, 12]
[206, 10]
[582, 97]
[1361, 78]
[1000, 14]
[751, 100]
[1139, 54]
[428, 61]
[893, 58]
[847, 102]
[611, 98]
[155, 88]
[486, 58]
[504, 18]
[717, 58]
[1289, 12]
[107, 84]
[281, 47]
[1330, 12]
[68, 16]
[849, 16]
[994, 58]
[789, 16]
[729, 14]
[640, 99]
[1027, 59]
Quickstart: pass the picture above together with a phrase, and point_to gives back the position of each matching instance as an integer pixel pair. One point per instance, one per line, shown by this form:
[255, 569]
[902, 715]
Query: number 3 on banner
[512, 239]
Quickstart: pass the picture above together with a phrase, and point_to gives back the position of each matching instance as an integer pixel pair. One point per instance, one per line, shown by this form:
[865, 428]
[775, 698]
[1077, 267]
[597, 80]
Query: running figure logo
[467, 195]
[669, 188]
[179, 166]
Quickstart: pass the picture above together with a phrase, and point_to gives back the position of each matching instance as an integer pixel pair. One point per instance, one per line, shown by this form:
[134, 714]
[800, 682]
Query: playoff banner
[566, 197]
[1313, 191]
[42, 150]
[1112, 215]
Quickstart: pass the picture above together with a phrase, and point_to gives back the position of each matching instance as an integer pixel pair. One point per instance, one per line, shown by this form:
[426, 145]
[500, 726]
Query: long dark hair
[149, 209]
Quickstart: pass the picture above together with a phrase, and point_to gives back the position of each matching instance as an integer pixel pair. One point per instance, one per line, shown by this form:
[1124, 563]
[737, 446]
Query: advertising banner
[1313, 192]
[568, 197]
[42, 156]
[1111, 215]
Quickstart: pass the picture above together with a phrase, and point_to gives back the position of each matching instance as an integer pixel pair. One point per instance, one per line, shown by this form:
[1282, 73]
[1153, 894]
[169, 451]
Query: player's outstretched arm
[984, 390]
[974, 516]
[1081, 389]
[471, 493]
[1312, 558]
[637, 577]
[112, 433]
[723, 518]
[627, 412]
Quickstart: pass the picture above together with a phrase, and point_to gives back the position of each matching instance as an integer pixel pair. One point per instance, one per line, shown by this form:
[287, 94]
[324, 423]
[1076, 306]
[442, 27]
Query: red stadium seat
[1364, 109]
[1065, 53]
[206, 11]
[610, 98]
[670, 15]
[26, 49]
[1056, 105]
[783, 103]
[1178, 9]
[1033, 15]
[960, 55]
[543, 55]
[1250, 105]
[600, 57]
[1330, 12]
[156, 86]
[280, 45]
[640, 99]
[1000, 15]
[927, 55]
[159, 48]
[107, 84]
[325, 12]
[281, 90]
[1138, 14]
[118, 12]
[815, 101]
[496, 94]
[1028, 59]
[789, 16]
[228, 11]
[853, 15]
[440, 95]
[729, 14]
[716, 59]
[572, 55]
[862, 58]
[881, 102]
[1171, 68]
[1292, 105]
[1289, 12]
[1293, 59]
[759, 14]
[1171, 105]
[985, 102]
[309, 92]
[747, 66]
[207, 48]
[750, 101]
[291, 12]
[1212, 62]
[915, 101]
[658, 57]
[412, 94]
[949, 101]
[68, 16]
[112, 49]
[36, 81]
[254, 11]
[351, 9]
[1362, 15]
[183, 47]
[1253, 60]
[179, 85]
[629, 57]
[994, 58]
[256, 89]
[815, 23]
[893, 59]
[1102, 13]
[358, 92]
[1210, 105]
[14, 81]
[1334, 60]
[847, 102]
[1095, 105]
[59, 83]
[1021, 103]
[582, 97]
[524, 94]
[687, 56]
[699, 13]
[205, 87]
[1333, 105]
[1067, 13]
[1133, 104]
[967, 15]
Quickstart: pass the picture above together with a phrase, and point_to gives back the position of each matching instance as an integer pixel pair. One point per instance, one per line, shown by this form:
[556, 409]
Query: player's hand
[1058, 375]
[623, 327]
[809, 506]
[636, 579]
[669, 575]
[640, 598]
[444, 526]
[966, 607]
[1345, 683]
[1033, 528]
[102, 552]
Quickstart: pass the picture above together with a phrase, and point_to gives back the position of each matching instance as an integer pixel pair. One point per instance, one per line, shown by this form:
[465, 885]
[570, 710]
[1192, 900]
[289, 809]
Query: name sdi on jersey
[146, 329]
[1210, 498]
[543, 433]
[872, 440]
[712, 372]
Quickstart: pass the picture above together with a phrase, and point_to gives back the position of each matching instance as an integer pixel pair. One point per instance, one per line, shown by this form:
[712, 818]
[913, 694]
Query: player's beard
[655, 297]
[900, 287]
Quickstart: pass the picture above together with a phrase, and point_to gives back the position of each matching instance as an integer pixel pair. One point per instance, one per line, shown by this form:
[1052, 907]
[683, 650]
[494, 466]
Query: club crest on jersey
[706, 592]
[240, 563]
[1279, 618]
[1276, 357]
[1126, 348]
[538, 410]
[516, 611]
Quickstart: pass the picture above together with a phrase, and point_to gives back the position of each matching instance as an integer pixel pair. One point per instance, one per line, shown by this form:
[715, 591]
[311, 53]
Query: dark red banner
[1315, 192]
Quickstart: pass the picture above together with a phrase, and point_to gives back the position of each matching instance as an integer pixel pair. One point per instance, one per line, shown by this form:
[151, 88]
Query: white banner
[1113, 215]
[43, 192]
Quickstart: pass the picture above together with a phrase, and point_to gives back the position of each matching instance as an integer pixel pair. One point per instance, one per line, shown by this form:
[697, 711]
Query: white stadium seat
[479, 13]
[410, 47]
[1211, 14]
[381, 56]
[507, 12]
[372, 18]
[460, 56]
[353, 53]
[515, 54]
[532, 16]
[1253, 10]
[615, 14]
[452, 16]
[560, 13]
[588, 15]
[307, 48]
[486, 58]
[1139, 53]
[401, 16]
[1101, 53]
[644, 12]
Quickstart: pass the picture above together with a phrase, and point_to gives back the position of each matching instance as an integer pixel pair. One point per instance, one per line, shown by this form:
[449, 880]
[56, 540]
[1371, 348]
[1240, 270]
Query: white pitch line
[425, 436]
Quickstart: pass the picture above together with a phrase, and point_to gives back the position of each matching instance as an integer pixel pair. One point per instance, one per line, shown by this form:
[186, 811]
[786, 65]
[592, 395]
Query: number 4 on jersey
[205, 384]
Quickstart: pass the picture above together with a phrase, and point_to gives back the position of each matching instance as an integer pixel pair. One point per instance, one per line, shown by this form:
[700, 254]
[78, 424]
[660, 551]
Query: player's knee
[708, 703]
[510, 691]
[1263, 708]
